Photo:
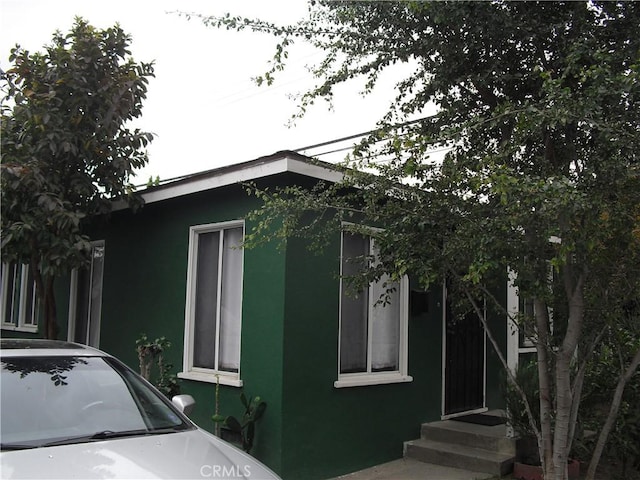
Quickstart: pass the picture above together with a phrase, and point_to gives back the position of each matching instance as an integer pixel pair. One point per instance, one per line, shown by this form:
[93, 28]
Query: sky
[202, 105]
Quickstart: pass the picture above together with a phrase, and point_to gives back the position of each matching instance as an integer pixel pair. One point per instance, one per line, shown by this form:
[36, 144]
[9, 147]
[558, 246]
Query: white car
[71, 411]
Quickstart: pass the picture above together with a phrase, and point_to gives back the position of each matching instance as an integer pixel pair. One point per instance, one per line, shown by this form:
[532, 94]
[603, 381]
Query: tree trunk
[611, 417]
[578, 384]
[564, 397]
[46, 297]
[545, 444]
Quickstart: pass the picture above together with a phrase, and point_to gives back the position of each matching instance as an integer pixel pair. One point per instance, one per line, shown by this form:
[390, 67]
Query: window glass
[354, 307]
[385, 327]
[31, 302]
[206, 300]
[11, 288]
[19, 309]
[69, 399]
[231, 301]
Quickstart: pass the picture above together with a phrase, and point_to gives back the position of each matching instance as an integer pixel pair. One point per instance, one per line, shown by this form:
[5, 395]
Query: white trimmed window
[527, 344]
[214, 304]
[20, 306]
[85, 299]
[372, 346]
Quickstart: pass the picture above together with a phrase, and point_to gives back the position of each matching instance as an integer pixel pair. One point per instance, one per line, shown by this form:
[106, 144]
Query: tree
[538, 105]
[67, 148]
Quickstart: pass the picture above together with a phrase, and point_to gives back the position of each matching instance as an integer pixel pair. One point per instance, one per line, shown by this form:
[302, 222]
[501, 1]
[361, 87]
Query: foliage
[246, 427]
[527, 378]
[67, 149]
[610, 356]
[152, 353]
[538, 106]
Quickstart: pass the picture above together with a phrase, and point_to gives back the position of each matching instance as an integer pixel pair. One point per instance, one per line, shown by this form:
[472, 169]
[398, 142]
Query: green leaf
[233, 424]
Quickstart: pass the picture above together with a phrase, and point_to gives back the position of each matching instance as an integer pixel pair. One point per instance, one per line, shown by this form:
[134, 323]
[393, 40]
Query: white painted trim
[484, 348]
[513, 339]
[73, 302]
[211, 378]
[443, 343]
[360, 380]
[97, 324]
[235, 174]
[522, 350]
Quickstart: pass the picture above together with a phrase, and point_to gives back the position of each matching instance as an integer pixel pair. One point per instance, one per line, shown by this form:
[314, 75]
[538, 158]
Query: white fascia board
[313, 171]
[235, 175]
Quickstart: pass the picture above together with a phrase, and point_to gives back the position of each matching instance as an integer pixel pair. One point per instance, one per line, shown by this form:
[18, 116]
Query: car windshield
[57, 400]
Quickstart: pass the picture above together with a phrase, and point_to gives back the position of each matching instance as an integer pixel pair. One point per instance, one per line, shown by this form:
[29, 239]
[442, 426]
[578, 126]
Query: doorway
[464, 362]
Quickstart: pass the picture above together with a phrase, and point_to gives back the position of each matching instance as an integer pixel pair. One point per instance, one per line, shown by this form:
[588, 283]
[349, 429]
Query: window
[373, 331]
[527, 336]
[214, 304]
[85, 299]
[20, 306]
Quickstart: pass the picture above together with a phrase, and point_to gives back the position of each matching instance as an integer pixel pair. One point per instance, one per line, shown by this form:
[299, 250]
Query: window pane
[206, 300]
[82, 305]
[353, 314]
[231, 301]
[88, 290]
[10, 285]
[62, 398]
[31, 312]
[97, 268]
[385, 327]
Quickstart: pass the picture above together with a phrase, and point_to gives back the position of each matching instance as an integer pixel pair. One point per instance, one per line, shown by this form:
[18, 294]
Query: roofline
[279, 162]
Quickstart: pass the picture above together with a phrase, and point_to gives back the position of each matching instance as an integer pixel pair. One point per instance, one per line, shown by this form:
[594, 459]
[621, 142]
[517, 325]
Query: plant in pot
[527, 464]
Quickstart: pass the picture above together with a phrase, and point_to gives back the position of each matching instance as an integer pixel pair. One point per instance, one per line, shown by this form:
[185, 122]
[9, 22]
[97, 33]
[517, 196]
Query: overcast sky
[202, 105]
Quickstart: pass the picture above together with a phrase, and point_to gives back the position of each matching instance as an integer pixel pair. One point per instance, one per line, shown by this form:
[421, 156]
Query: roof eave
[281, 162]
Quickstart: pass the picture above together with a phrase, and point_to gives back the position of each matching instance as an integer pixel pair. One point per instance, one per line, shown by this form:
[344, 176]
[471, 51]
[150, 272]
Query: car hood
[193, 454]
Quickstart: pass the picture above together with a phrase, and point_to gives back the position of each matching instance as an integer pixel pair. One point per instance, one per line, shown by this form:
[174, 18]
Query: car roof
[31, 347]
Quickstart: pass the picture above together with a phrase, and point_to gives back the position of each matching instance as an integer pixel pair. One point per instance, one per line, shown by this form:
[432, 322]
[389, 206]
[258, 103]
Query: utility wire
[323, 144]
[358, 135]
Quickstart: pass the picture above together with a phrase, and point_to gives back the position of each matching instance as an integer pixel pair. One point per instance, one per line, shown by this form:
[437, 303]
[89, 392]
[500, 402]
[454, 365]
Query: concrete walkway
[410, 469]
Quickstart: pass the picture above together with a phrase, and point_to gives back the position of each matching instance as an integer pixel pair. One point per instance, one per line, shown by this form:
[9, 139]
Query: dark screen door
[464, 363]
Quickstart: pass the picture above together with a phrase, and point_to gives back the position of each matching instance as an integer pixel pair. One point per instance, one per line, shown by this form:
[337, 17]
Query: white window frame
[92, 323]
[20, 275]
[369, 377]
[527, 344]
[191, 372]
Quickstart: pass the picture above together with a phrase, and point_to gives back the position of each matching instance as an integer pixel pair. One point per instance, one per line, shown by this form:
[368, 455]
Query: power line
[324, 144]
[359, 135]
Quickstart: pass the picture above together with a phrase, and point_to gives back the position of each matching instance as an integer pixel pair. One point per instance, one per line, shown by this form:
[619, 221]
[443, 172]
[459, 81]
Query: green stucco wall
[145, 290]
[331, 431]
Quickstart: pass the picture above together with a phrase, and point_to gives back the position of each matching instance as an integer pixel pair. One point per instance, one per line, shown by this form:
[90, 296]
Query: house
[346, 382]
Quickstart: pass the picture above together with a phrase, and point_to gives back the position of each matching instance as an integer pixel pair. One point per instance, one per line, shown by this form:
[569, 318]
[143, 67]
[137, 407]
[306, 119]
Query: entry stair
[451, 443]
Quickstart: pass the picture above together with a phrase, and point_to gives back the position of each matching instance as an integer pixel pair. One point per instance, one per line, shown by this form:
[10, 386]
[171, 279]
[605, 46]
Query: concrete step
[459, 456]
[493, 438]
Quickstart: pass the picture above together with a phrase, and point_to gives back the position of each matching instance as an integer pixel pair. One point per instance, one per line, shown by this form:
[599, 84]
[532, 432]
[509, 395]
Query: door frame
[443, 364]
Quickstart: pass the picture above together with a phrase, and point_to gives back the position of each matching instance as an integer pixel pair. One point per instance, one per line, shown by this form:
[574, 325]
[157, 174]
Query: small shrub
[150, 353]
